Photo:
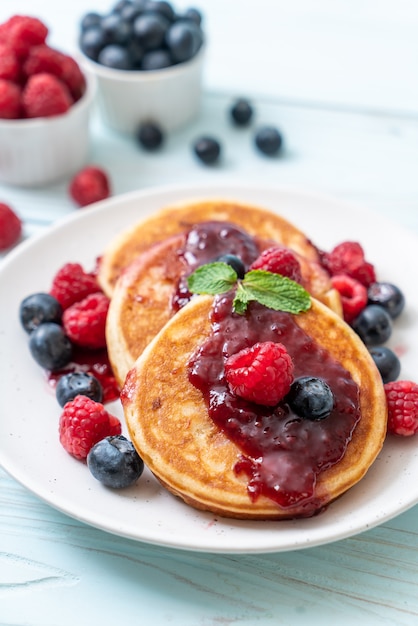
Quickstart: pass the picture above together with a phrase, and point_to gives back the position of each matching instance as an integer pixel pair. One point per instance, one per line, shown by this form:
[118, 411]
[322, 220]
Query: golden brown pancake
[141, 297]
[180, 218]
[170, 426]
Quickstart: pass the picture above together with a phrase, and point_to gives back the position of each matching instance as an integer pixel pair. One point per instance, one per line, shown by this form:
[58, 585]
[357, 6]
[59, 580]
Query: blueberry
[92, 41]
[130, 12]
[311, 398]
[150, 30]
[90, 19]
[37, 309]
[156, 60]
[116, 57]
[150, 136]
[235, 262]
[114, 462]
[121, 5]
[194, 15]
[116, 29]
[207, 149]
[387, 363]
[241, 112]
[136, 53]
[161, 7]
[183, 39]
[268, 140]
[50, 347]
[373, 325]
[78, 383]
[387, 295]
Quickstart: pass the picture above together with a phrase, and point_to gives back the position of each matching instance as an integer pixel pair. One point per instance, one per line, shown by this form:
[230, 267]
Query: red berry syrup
[95, 362]
[282, 453]
[207, 241]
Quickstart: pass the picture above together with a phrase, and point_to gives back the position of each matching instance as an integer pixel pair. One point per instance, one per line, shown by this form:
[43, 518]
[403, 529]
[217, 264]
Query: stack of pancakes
[150, 345]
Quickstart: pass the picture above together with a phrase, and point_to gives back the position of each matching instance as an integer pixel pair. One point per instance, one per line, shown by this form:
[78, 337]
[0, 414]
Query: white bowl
[38, 151]
[169, 97]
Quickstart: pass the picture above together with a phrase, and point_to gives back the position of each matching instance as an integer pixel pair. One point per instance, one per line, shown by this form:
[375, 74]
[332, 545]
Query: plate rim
[200, 189]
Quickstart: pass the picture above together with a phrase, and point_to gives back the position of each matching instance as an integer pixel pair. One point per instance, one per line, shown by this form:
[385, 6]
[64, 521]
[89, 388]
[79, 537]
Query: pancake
[142, 297]
[169, 423]
[180, 218]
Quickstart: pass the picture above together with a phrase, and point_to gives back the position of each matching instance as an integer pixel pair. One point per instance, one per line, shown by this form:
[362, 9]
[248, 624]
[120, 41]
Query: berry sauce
[282, 453]
[95, 362]
[204, 243]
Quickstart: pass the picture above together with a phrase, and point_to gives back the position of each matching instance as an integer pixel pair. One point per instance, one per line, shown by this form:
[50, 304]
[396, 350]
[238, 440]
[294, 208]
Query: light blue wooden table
[340, 81]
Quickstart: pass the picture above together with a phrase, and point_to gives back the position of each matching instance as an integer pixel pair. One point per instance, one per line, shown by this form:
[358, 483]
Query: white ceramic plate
[29, 447]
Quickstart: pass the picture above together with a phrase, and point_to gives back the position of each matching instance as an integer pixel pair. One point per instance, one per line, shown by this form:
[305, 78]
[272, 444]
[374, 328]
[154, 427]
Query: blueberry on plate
[373, 325]
[387, 295]
[310, 397]
[268, 140]
[37, 309]
[150, 135]
[114, 462]
[241, 112]
[234, 261]
[207, 150]
[50, 347]
[386, 362]
[78, 384]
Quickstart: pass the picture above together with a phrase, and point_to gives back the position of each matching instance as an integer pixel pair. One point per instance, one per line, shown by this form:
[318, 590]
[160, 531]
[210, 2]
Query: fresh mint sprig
[272, 290]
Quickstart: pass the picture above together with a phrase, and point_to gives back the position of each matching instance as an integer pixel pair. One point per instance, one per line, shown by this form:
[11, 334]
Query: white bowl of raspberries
[148, 62]
[45, 103]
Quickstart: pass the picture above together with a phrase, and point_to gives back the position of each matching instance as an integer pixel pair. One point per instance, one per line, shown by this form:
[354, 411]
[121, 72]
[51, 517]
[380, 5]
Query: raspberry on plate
[83, 423]
[85, 321]
[262, 373]
[353, 295]
[10, 227]
[348, 258]
[72, 284]
[10, 100]
[279, 261]
[89, 185]
[44, 95]
[402, 400]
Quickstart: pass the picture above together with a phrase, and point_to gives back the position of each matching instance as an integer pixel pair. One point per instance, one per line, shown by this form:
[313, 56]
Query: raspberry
[353, 295]
[279, 261]
[43, 59]
[9, 64]
[44, 95]
[10, 100]
[21, 32]
[402, 400]
[10, 227]
[83, 423]
[348, 258]
[90, 185]
[262, 373]
[72, 284]
[85, 322]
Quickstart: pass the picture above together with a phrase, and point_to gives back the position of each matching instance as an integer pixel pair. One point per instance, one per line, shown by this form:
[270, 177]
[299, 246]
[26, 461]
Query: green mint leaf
[275, 292]
[212, 278]
[241, 299]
